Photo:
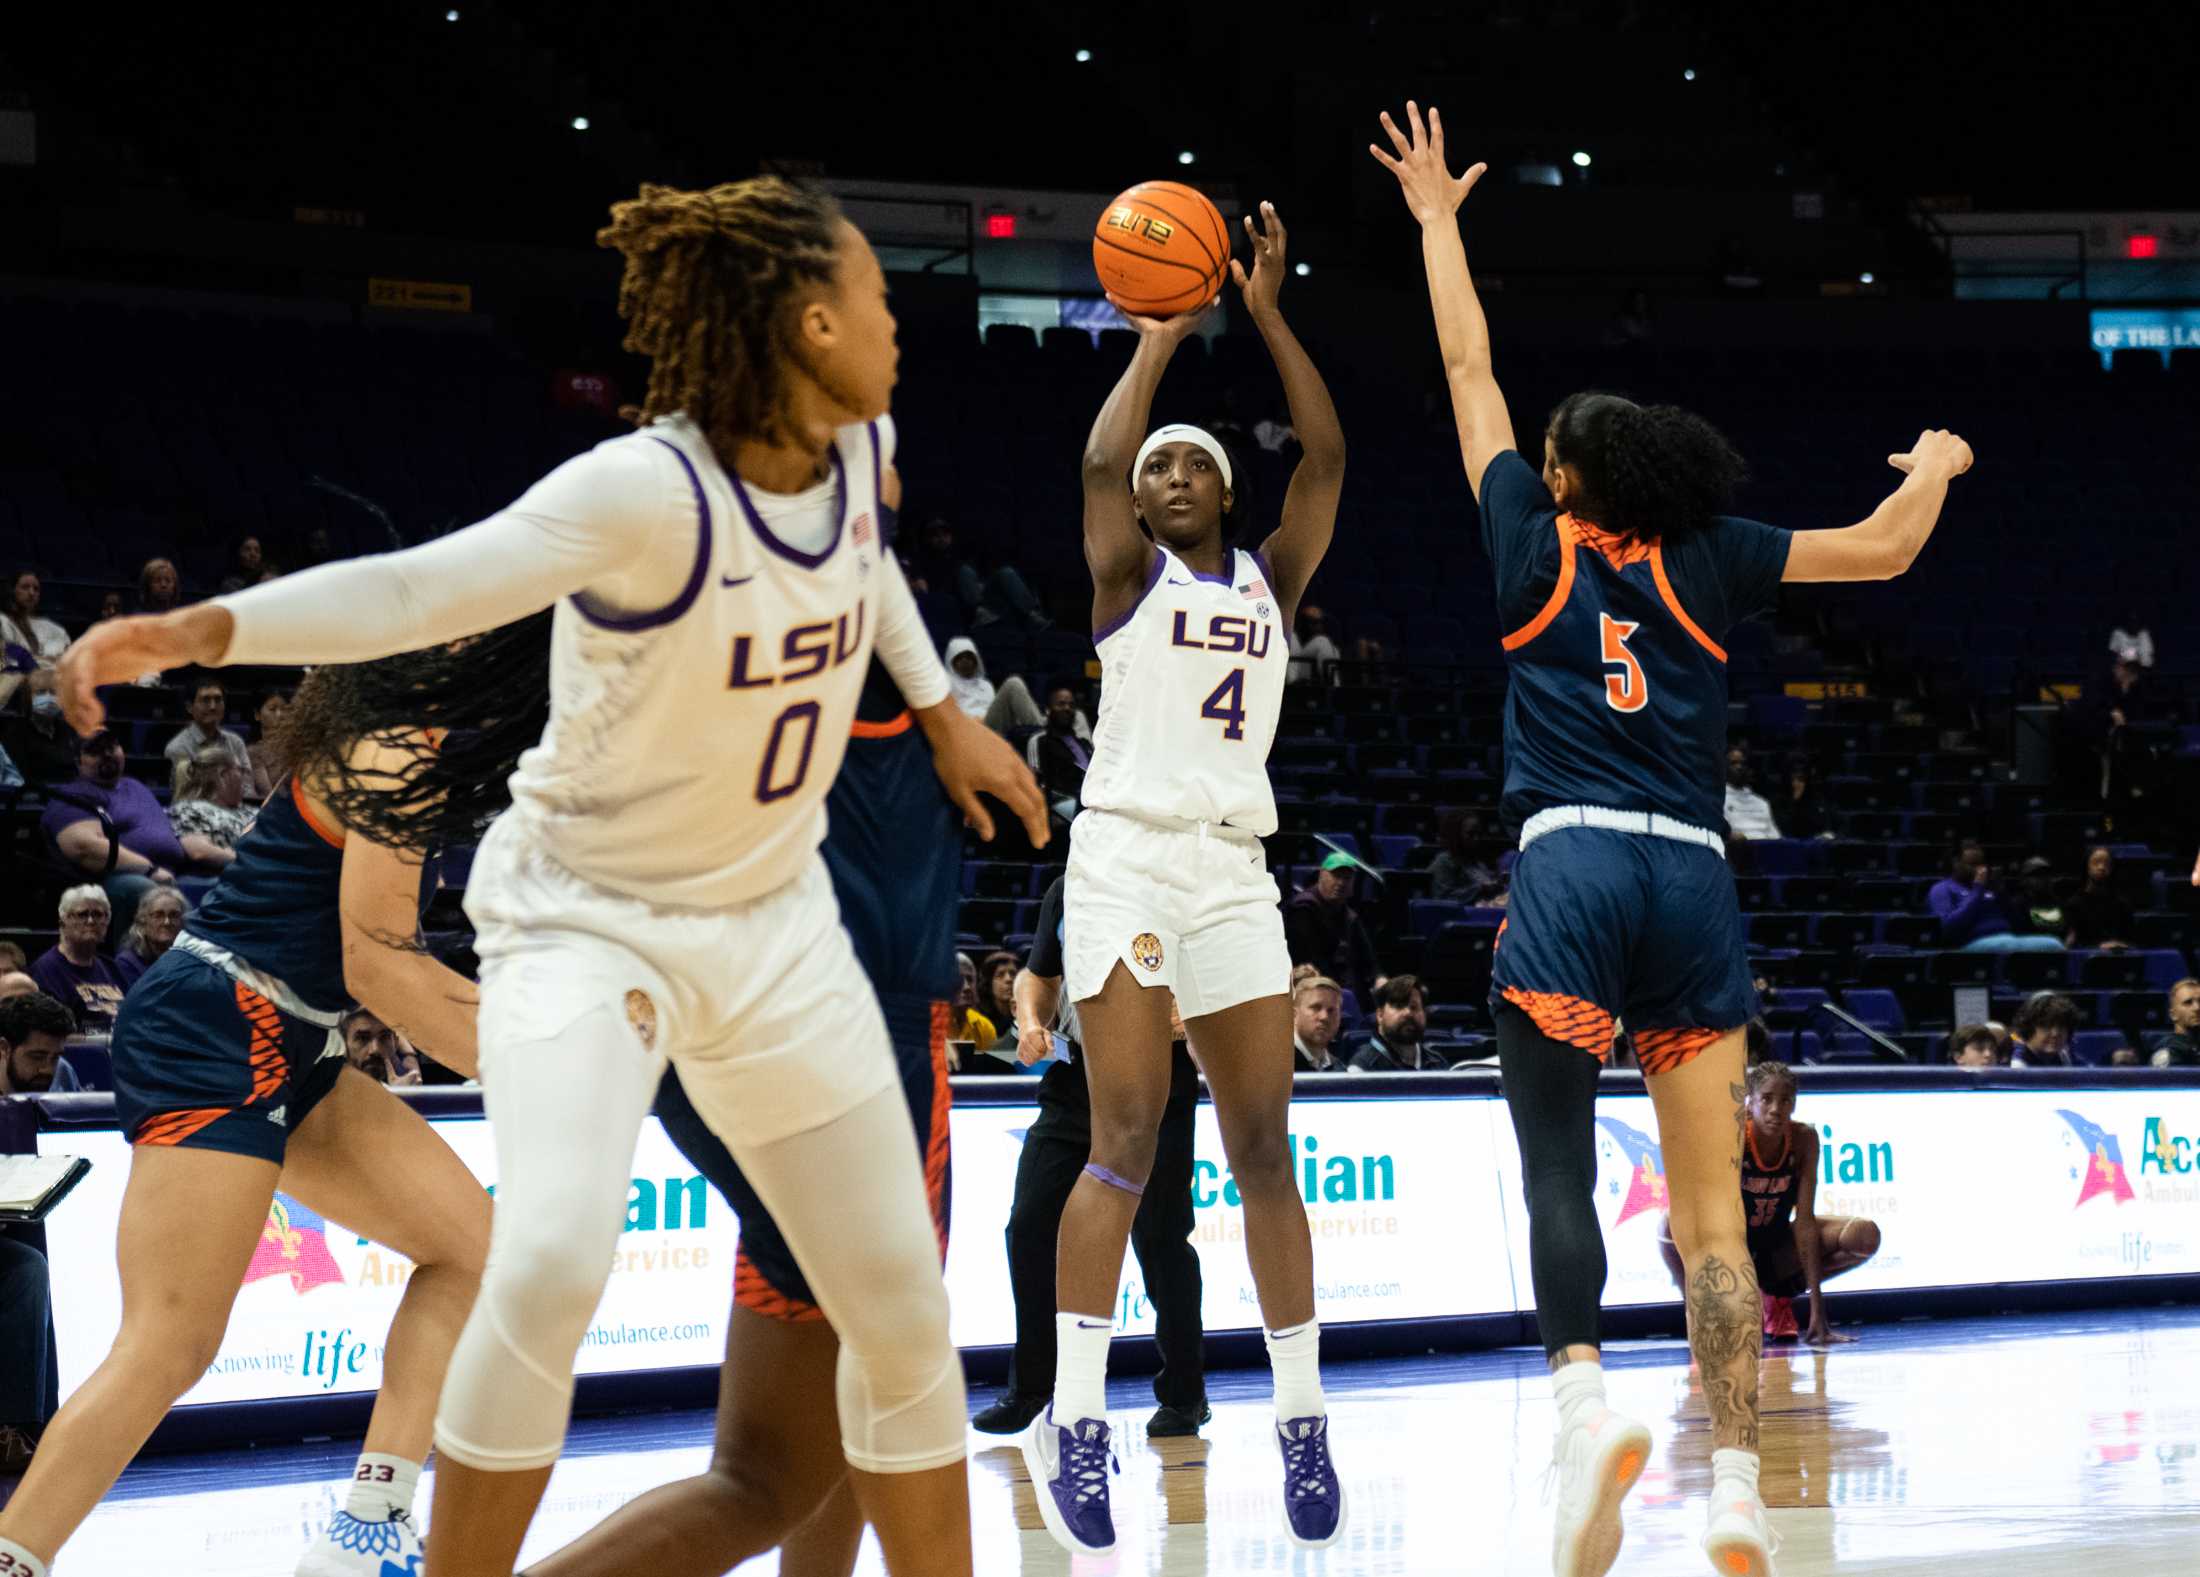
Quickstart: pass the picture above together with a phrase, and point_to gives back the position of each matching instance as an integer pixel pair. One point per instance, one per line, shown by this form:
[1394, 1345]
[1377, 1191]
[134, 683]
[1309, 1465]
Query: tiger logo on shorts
[1146, 951]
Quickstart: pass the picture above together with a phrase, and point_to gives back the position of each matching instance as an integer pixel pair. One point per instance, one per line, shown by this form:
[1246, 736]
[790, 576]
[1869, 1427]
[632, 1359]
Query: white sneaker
[1739, 1541]
[349, 1547]
[1598, 1461]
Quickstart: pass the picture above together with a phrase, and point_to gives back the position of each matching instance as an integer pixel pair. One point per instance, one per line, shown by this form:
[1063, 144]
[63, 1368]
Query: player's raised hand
[1432, 192]
[1937, 451]
[1172, 331]
[1265, 282]
[119, 651]
[971, 760]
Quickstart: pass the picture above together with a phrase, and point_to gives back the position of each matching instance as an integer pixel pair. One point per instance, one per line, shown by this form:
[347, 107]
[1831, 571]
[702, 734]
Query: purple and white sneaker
[1069, 1468]
[1313, 1500]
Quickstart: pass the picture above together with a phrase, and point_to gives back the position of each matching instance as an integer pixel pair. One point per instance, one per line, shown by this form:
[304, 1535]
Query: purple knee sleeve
[1094, 1170]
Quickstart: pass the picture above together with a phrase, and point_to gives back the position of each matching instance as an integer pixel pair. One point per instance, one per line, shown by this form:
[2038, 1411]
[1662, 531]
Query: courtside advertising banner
[1415, 1208]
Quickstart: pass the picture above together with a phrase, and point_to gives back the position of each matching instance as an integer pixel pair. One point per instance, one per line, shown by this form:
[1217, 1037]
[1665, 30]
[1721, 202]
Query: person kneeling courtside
[1780, 1181]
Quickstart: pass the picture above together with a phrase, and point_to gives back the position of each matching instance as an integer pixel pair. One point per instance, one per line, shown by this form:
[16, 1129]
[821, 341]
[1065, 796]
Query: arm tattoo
[1725, 1318]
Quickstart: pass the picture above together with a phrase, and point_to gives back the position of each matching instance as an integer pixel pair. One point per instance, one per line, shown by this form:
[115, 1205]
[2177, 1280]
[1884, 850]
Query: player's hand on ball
[1173, 331]
[1936, 450]
[1265, 282]
[1432, 192]
[971, 760]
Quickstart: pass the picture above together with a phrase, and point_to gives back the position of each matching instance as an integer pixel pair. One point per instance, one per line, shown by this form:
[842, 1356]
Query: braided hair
[1650, 472]
[1770, 1075]
[711, 278]
[486, 699]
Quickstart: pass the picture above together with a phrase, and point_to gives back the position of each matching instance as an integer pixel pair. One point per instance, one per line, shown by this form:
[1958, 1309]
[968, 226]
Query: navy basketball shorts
[1605, 925]
[205, 1061]
[766, 1280]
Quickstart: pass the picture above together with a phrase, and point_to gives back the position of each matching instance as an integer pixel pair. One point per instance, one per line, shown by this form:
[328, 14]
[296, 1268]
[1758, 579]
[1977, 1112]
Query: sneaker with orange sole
[1739, 1541]
[1598, 1461]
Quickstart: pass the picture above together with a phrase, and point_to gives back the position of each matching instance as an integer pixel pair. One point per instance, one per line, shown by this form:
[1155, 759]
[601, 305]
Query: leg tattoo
[1740, 1092]
[1725, 1315]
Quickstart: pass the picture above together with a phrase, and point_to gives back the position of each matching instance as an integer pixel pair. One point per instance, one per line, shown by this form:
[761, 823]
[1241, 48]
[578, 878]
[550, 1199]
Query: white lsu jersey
[690, 747]
[1191, 690]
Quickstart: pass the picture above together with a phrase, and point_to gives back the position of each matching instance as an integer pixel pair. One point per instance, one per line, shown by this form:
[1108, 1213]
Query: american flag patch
[862, 530]
[1253, 590]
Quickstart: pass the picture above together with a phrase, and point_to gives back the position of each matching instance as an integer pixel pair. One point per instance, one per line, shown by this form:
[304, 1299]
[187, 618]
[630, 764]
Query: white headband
[1185, 433]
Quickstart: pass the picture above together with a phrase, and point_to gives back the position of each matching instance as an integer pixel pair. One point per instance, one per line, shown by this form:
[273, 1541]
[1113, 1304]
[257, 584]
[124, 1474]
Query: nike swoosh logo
[1180, 583]
[1096, 1325]
[729, 580]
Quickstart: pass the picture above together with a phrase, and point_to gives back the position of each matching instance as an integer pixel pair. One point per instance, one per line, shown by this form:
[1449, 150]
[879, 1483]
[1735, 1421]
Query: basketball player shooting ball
[718, 583]
[1618, 577]
[1168, 887]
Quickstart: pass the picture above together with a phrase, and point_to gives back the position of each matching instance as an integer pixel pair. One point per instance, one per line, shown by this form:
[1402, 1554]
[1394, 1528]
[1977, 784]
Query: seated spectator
[110, 607]
[2180, 1048]
[245, 567]
[2131, 641]
[1314, 656]
[2039, 1036]
[378, 1051]
[1401, 1025]
[158, 589]
[80, 815]
[267, 770]
[17, 983]
[32, 731]
[1970, 911]
[1320, 927]
[27, 641]
[1060, 753]
[1975, 1046]
[74, 971]
[1302, 972]
[208, 704]
[1317, 1012]
[1802, 811]
[208, 811]
[2043, 910]
[34, 1025]
[12, 956]
[1748, 815]
[938, 566]
[1004, 710]
[152, 933]
[964, 1021]
[1455, 874]
[2125, 1057]
[2097, 916]
[997, 992]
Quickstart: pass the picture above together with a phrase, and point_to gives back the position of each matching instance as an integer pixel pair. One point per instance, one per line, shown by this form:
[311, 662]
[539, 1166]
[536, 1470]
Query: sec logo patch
[1146, 951]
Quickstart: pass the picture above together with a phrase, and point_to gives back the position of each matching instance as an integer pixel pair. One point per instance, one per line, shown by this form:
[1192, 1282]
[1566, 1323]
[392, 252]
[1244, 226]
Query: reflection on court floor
[2036, 1445]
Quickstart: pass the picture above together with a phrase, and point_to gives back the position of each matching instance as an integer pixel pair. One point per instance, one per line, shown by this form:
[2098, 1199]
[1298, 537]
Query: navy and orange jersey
[275, 907]
[1769, 1188]
[1619, 688]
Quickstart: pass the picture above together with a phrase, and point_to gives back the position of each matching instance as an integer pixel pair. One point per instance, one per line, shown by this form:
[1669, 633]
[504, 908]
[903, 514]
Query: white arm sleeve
[605, 522]
[904, 645]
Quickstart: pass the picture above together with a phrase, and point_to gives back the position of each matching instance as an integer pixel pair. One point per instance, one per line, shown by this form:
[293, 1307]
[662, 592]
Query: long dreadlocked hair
[711, 280]
[489, 697]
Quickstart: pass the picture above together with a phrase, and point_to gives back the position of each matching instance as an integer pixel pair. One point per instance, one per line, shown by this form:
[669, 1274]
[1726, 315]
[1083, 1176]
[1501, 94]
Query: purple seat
[2090, 1047]
[1879, 1008]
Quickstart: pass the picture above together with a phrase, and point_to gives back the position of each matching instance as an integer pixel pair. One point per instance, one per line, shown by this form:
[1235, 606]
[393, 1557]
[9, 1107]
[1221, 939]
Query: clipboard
[53, 1176]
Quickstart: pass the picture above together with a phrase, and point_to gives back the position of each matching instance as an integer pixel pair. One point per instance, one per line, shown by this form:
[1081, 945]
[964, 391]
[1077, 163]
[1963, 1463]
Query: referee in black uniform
[1055, 1152]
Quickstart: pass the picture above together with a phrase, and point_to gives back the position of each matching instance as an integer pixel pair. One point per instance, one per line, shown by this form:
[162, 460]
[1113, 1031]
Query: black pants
[1055, 1152]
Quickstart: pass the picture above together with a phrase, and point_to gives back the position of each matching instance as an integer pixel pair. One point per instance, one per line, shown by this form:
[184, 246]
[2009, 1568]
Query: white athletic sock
[26, 1564]
[382, 1486]
[1295, 1360]
[1579, 1390]
[1081, 1366]
[1733, 1475]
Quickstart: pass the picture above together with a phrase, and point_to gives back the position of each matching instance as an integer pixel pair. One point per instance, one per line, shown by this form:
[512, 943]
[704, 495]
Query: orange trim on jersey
[1618, 551]
[172, 1128]
[1570, 1020]
[266, 1053]
[900, 723]
[1663, 1050]
[935, 1150]
[305, 814]
[1785, 1155]
[1559, 593]
[752, 1292]
[1665, 590]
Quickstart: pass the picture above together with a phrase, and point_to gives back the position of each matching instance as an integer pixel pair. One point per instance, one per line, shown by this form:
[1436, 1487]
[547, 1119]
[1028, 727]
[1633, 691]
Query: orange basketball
[1161, 248]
